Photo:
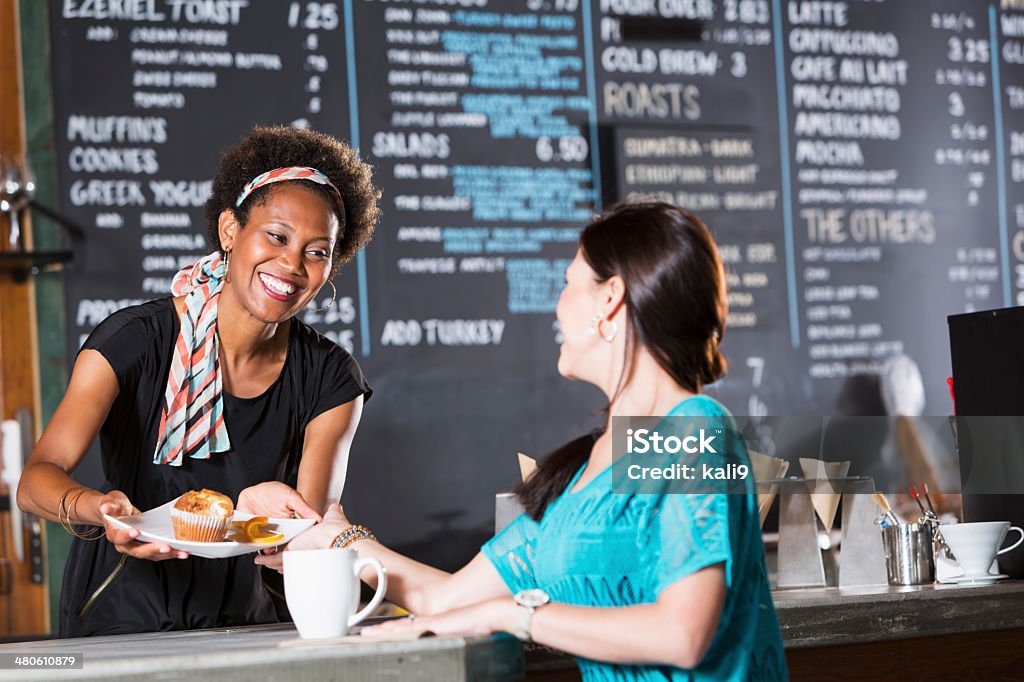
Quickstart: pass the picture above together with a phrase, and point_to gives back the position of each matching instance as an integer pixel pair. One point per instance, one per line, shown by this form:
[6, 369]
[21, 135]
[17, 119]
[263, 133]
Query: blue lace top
[598, 548]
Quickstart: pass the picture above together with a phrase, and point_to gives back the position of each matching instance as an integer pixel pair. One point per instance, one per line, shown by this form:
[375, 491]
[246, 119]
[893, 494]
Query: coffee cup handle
[378, 596]
[1016, 544]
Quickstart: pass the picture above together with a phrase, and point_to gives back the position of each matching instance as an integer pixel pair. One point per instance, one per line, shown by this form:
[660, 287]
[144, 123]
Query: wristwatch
[528, 601]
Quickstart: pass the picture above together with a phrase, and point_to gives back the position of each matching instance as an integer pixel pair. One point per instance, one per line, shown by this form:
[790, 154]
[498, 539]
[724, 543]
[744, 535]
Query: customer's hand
[116, 503]
[493, 615]
[319, 536]
[276, 500]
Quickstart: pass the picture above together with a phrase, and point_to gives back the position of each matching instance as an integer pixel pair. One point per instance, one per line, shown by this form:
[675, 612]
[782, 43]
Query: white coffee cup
[976, 545]
[321, 587]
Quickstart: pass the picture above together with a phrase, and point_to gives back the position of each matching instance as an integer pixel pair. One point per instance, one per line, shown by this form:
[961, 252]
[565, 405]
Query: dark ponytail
[675, 308]
[553, 475]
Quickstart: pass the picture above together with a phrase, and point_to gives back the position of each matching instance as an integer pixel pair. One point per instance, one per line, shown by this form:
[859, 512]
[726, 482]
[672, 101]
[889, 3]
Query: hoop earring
[227, 270]
[334, 295]
[595, 328]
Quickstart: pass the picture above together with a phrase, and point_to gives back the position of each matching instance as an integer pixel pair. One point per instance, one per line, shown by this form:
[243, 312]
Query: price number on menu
[556, 327]
[330, 311]
[970, 50]
[346, 338]
[556, 5]
[316, 62]
[755, 406]
[314, 16]
[747, 11]
[952, 22]
[342, 311]
[570, 148]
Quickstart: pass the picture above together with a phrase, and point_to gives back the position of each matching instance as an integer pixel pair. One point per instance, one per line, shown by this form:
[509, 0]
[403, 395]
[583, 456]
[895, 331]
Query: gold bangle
[63, 514]
[60, 506]
[65, 509]
[94, 533]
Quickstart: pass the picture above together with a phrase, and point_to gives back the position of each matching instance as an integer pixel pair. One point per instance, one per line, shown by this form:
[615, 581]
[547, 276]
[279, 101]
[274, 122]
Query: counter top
[808, 618]
[832, 615]
[272, 653]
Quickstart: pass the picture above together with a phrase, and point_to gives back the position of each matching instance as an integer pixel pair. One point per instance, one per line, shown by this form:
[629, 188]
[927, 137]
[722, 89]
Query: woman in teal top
[597, 547]
[641, 581]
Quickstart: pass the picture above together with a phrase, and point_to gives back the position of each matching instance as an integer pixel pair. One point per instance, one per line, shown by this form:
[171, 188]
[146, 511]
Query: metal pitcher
[909, 559]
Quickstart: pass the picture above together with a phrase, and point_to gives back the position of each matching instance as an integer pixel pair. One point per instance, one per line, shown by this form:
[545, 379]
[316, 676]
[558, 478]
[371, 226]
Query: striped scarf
[192, 418]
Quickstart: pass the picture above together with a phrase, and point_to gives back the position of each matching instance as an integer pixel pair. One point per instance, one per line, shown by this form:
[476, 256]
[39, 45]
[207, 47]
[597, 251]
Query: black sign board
[861, 165]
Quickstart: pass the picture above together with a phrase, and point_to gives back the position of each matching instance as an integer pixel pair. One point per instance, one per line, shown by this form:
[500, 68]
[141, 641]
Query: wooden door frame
[24, 611]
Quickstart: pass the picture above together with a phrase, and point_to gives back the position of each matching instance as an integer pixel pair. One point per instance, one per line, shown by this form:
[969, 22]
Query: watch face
[532, 598]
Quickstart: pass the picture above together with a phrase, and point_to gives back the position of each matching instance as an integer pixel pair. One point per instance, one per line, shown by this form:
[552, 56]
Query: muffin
[202, 516]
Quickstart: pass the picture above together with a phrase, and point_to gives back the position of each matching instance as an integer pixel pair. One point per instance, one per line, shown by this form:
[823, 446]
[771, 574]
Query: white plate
[977, 580]
[155, 526]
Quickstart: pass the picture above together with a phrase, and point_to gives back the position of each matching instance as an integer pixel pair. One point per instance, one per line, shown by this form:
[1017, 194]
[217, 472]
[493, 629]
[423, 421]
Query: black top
[267, 434]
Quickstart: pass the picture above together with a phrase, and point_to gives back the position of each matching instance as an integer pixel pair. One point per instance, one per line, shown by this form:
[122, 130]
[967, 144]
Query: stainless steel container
[909, 558]
[506, 509]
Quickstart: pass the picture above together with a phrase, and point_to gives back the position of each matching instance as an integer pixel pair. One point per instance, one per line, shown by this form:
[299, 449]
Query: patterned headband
[292, 173]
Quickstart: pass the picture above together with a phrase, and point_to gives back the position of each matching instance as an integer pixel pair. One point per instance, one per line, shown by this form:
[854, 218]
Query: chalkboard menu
[860, 163]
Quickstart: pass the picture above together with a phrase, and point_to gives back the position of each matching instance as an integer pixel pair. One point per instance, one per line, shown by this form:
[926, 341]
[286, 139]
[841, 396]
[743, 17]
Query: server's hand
[276, 500]
[319, 536]
[116, 503]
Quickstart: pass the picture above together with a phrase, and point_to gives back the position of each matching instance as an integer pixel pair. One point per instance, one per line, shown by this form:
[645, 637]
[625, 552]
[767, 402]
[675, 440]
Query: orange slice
[254, 530]
[254, 526]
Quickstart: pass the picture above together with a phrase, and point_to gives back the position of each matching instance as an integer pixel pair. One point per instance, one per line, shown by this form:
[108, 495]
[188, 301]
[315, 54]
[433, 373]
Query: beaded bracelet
[352, 535]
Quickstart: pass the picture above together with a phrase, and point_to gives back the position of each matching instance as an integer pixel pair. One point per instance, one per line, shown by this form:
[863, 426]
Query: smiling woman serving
[216, 387]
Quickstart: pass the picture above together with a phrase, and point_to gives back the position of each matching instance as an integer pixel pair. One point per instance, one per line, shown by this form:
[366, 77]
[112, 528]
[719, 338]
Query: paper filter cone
[824, 497]
[766, 468]
[527, 465]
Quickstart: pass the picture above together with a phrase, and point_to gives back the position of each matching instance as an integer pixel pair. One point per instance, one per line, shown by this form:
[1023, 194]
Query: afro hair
[267, 148]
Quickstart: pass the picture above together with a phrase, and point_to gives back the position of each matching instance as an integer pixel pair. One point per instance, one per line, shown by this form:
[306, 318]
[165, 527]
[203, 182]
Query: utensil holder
[909, 556]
